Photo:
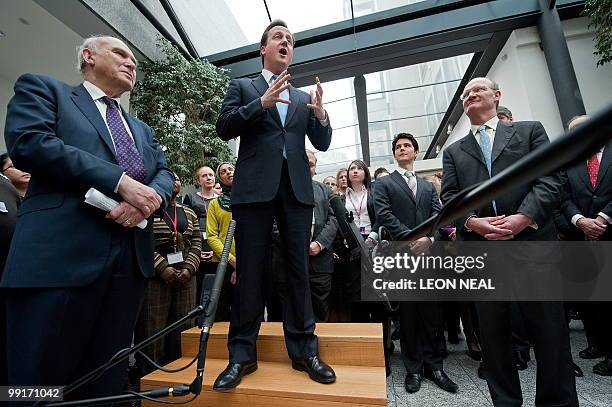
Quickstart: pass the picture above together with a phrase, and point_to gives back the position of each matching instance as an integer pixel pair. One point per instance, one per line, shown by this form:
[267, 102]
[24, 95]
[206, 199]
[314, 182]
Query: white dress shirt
[97, 94]
[491, 129]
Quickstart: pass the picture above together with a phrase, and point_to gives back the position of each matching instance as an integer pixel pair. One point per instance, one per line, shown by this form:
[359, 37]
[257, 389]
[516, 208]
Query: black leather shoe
[520, 360]
[442, 381]
[412, 382]
[603, 368]
[590, 353]
[232, 375]
[317, 370]
[481, 371]
[577, 371]
[474, 351]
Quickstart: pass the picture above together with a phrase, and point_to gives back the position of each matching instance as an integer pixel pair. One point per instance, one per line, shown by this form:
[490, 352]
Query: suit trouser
[320, 286]
[549, 335]
[253, 238]
[421, 336]
[56, 335]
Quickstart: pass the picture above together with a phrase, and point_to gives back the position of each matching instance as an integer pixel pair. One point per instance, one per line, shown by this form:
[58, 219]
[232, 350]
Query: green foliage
[600, 14]
[180, 99]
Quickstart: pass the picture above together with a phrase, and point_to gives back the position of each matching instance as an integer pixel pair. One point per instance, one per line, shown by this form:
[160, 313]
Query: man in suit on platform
[272, 181]
[324, 229]
[588, 209]
[403, 201]
[521, 214]
[74, 277]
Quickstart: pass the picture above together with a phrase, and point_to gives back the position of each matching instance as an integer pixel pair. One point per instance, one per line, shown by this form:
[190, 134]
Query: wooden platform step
[277, 384]
[339, 344]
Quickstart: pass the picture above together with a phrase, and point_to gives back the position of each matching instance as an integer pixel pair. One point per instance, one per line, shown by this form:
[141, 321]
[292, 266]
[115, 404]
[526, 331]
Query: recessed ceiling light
[24, 21]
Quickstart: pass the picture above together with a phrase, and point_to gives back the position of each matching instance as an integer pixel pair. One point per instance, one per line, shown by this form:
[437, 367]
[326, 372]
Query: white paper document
[101, 201]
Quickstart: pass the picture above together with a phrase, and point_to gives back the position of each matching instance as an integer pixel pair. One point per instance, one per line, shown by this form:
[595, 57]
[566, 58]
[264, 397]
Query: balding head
[108, 63]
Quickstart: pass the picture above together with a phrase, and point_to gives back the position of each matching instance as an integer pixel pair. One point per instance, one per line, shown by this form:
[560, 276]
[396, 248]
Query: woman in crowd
[18, 178]
[198, 202]
[217, 222]
[358, 200]
[172, 293]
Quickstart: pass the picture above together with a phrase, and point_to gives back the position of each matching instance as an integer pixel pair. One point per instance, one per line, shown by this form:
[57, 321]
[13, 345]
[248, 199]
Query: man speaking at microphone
[272, 181]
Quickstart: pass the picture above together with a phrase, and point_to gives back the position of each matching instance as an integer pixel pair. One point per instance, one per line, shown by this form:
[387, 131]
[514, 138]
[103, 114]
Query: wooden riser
[339, 344]
[277, 384]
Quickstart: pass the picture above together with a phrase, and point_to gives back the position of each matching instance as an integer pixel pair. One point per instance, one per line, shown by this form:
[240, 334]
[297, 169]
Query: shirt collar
[491, 123]
[95, 92]
[363, 188]
[267, 75]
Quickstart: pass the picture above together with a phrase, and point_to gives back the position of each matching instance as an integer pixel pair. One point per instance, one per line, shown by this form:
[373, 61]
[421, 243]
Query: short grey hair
[90, 43]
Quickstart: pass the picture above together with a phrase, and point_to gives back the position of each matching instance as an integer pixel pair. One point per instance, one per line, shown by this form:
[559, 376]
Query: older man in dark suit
[403, 201]
[324, 229]
[74, 277]
[588, 209]
[521, 214]
[271, 182]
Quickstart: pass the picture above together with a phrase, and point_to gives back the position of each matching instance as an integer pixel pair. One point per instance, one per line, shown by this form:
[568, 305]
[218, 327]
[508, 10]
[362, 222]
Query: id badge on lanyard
[176, 256]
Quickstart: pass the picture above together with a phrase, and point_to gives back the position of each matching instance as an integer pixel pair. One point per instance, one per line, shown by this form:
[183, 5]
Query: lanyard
[174, 227]
[359, 210]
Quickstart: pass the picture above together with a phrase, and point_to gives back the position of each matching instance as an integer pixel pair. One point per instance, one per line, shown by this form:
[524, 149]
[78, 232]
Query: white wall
[6, 93]
[525, 83]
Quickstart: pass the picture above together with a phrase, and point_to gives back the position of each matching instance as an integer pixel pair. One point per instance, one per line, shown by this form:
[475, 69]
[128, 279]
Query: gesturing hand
[272, 95]
[316, 100]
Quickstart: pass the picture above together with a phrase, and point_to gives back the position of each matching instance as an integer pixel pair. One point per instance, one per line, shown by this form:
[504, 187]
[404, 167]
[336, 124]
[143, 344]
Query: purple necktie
[127, 155]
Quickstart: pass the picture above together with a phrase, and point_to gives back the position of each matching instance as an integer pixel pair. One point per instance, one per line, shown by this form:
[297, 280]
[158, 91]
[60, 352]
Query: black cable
[154, 363]
[140, 395]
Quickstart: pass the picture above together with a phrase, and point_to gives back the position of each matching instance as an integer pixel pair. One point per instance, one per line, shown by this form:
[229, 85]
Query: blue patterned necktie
[282, 108]
[125, 150]
[485, 147]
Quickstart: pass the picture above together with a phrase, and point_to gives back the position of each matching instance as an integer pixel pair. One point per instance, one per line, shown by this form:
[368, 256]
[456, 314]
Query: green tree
[600, 14]
[180, 99]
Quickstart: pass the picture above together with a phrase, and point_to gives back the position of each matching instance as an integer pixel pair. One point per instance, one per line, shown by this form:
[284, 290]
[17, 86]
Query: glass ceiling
[215, 26]
[410, 99]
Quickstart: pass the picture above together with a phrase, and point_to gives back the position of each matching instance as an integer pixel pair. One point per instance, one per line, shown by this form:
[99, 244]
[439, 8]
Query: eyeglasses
[478, 89]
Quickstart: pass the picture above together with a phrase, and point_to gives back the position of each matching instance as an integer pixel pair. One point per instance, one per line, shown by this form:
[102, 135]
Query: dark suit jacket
[8, 217]
[262, 136]
[55, 132]
[583, 199]
[325, 228]
[398, 210]
[464, 166]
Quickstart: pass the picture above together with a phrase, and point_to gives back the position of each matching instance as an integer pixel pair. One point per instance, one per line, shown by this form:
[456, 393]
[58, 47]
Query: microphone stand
[211, 289]
[356, 244]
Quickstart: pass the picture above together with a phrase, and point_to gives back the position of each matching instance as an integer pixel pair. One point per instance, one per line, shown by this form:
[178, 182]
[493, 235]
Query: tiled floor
[593, 390]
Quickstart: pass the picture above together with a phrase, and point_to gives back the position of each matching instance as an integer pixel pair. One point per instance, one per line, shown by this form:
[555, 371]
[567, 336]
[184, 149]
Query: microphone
[211, 289]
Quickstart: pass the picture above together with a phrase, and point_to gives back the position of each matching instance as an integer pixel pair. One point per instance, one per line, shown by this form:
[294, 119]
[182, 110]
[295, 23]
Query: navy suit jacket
[262, 136]
[464, 165]
[398, 209]
[581, 198]
[55, 132]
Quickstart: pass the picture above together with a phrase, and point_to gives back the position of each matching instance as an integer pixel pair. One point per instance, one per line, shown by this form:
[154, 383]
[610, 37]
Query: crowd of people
[66, 259]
